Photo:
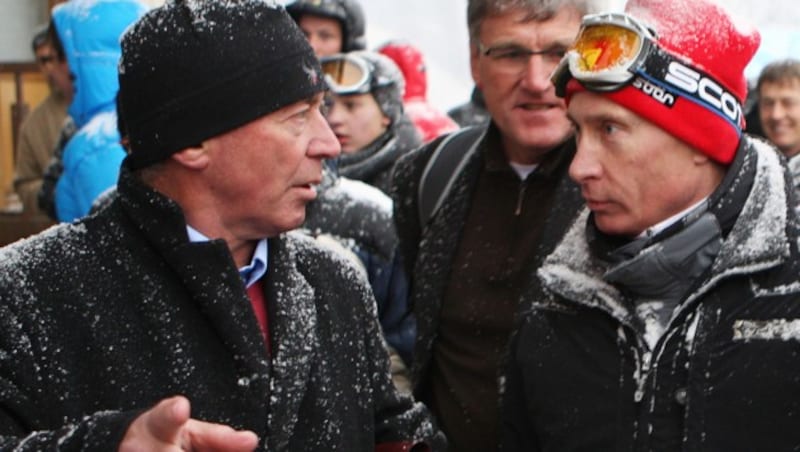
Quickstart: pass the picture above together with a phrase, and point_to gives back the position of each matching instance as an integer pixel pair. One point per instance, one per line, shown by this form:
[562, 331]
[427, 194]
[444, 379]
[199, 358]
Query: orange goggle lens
[345, 74]
[603, 47]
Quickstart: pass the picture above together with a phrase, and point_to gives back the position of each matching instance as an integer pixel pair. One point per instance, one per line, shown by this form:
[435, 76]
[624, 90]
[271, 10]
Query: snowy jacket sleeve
[99, 431]
[401, 424]
[22, 405]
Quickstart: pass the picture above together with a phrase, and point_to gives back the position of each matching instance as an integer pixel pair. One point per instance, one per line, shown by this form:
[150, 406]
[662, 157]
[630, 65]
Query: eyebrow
[501, 44]
[594, 118]
[316, 98]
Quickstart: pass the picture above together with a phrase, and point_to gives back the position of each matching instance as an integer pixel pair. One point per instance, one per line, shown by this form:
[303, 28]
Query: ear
[385, 121]
[474, 56]
[195, 158]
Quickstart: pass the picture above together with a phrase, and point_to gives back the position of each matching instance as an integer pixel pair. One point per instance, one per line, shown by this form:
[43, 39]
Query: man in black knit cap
[181, 315]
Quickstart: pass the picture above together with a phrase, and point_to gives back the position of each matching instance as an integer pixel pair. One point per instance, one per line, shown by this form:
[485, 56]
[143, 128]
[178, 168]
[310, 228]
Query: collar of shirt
[653, 230]
[258, 263]
[522, 170]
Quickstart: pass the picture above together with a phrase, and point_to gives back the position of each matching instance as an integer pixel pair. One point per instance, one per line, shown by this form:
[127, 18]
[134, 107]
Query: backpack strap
[443, 168]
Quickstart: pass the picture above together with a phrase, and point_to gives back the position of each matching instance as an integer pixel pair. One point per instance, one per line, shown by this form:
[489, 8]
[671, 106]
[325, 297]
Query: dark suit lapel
[292, 322]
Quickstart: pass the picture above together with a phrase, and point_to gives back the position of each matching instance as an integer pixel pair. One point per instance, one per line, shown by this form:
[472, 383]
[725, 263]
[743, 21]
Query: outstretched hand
[168, 427]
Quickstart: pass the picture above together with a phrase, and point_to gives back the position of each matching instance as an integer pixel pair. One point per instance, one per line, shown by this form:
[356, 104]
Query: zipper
[521, 197]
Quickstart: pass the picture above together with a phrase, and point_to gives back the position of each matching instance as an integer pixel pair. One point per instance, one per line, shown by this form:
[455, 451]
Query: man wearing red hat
[670, 318]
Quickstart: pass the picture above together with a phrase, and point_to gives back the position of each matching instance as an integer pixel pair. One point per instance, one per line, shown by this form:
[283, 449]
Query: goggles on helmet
[350, 74]
[613, 50]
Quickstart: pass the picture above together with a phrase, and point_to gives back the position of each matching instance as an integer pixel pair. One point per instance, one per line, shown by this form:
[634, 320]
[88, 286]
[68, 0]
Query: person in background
[429, 121]
[508, 203]
[331, 26]
[89, 33]
[670, 309]
[752, 122]
[46, 197]
[778, 105]
[358, 218]
[182, 316]
[366, 114]
[39, 132]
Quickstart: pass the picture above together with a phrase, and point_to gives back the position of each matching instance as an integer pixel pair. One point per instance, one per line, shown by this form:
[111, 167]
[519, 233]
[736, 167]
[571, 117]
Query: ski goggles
[607, 52]
[614, 50]
[349, 74]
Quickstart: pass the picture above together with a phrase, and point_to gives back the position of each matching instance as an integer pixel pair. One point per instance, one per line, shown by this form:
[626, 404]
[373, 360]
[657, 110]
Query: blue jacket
[90, 32]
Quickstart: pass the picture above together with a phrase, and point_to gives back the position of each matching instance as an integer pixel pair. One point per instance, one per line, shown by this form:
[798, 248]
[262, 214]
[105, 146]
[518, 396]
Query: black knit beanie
[194, 69]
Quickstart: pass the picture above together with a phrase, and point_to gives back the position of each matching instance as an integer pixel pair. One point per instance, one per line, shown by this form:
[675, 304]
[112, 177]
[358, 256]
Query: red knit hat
[711, 52]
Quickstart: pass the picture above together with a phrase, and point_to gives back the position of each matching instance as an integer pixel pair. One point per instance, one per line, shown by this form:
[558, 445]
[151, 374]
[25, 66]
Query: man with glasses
[508, 203]
[669, 318]
[39, 133]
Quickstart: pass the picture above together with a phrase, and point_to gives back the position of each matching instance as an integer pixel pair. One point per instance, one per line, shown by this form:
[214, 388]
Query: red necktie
[256, 294]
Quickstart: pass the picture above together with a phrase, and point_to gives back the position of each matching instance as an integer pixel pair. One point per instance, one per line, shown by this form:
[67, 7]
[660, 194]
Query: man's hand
[168, 427]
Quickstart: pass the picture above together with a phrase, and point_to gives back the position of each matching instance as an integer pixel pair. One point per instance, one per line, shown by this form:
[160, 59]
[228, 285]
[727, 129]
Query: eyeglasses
[613, 50]
[514, 58]
[346, 74]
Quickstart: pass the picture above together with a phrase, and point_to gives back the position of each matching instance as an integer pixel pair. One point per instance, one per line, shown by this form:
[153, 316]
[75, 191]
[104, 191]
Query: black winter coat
[428, 252]
[725, 374]
[104, 317]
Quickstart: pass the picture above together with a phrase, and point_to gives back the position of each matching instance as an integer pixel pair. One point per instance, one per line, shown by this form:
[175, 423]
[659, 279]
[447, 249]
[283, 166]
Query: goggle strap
[677, 77]
[561, 77]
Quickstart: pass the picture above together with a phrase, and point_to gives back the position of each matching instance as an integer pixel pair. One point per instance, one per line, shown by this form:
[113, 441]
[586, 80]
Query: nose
[585, 165]
[778, 111]
[771, 111]
[536, 75]
[334, 113]
[324, 143]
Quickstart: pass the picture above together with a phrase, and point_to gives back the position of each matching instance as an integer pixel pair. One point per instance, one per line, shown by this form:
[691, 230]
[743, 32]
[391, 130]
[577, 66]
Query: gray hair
[538, 10]
[779, 72]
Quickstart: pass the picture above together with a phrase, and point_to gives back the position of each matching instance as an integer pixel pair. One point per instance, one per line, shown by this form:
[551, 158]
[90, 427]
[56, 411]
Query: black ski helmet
[348, 12]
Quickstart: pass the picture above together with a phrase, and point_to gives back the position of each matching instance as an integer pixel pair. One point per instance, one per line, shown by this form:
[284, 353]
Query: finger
[165, 420]
[218, 437]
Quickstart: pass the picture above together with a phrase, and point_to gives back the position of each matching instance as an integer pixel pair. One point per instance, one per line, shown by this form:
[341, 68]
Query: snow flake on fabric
[570, 272]
[758, 238]
[648, 312]
[360, 191]
[774, 329]
[100, 127]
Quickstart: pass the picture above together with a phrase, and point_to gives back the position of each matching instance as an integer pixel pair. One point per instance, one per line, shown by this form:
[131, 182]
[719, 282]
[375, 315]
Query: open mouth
[536, 107]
